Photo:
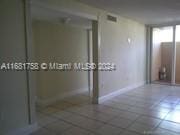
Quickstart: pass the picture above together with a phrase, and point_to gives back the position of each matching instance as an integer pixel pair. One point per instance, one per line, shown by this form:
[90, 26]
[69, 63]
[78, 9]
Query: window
[178, 33]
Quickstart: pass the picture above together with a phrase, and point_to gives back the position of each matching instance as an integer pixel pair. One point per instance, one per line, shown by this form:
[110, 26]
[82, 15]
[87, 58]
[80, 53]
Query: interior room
[162, 55]
[59, 37]
[127, 82]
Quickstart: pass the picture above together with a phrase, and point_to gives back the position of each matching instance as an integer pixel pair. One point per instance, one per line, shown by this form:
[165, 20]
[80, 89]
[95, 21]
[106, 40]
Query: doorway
[62, 41]
[92, 33]
[162, 46]
[165, 55]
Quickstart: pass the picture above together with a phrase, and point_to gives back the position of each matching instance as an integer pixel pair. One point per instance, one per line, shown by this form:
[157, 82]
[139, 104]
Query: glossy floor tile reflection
[151, 110]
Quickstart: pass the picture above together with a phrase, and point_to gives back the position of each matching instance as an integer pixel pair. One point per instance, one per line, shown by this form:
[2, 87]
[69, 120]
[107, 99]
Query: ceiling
[47, 14]
[144, 11]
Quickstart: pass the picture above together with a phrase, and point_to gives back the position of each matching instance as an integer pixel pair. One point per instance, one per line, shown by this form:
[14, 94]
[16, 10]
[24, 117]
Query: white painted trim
[164, 24]
[30, 57]
[96, 56]
[24, 131]
[173, 71]
[121, 91]
[148, 53]
[49, 101]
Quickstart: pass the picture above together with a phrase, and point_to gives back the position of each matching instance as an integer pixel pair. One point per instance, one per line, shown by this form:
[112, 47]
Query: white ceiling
[47, 14]
[144, 11]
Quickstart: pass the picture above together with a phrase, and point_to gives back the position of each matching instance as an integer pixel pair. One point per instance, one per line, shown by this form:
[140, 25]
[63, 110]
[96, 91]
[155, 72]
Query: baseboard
[49, 101]
[120, 91]
[24, 131]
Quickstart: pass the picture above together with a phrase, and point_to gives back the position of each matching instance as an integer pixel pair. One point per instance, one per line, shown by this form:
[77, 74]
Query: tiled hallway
[151, 109]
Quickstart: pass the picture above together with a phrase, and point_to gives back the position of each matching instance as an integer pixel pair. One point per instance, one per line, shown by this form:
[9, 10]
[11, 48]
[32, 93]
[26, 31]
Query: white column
[149, 53]
[173, 77]
[96, 44]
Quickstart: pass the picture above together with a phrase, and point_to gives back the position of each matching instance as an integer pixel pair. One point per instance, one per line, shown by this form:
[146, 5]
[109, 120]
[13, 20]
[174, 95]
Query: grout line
[115, 116]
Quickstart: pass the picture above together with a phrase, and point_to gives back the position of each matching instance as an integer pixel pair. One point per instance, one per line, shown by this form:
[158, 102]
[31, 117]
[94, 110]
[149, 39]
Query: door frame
[150, 51]
[31, 79]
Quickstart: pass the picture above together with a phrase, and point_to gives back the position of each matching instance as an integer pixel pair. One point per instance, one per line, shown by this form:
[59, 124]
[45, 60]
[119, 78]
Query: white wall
[13, 86]
[60, 43]
[130, 59]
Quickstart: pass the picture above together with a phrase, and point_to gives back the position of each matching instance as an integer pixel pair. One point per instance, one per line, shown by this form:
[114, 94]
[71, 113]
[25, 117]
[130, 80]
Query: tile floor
[150, 110]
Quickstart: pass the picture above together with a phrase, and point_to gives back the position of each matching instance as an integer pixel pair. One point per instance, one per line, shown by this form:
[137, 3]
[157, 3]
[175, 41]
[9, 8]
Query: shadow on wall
[62, 44]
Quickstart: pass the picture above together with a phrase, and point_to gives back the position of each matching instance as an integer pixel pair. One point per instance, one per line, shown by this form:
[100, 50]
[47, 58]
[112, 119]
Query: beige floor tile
[49, 110]
[109, 130]
[120, 122]
[42, 131]
[173, 116]
[160, 131]
[76, 119]
[58, 127]
[129, 133]
[62, 115]
[129, 115]
[101, 117]
[76, 131]
[153, 122]
[140, 128]
[43, 120]
[175, 127]
[91, 125]
[132, 113]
